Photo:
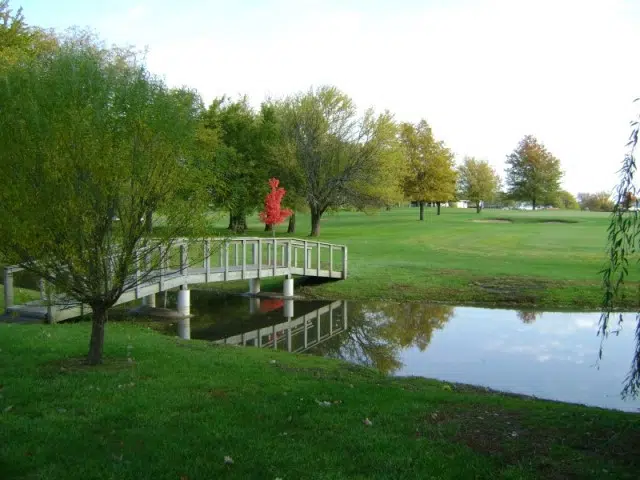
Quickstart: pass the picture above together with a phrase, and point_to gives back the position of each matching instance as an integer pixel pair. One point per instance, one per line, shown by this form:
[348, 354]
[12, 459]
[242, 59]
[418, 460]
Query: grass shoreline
[162, 407]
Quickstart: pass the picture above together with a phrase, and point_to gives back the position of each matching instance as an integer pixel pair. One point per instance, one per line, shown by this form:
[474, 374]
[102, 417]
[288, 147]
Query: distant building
[462, 204]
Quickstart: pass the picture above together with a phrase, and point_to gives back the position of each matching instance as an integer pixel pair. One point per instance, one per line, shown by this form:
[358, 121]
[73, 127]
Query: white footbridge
[208, 261]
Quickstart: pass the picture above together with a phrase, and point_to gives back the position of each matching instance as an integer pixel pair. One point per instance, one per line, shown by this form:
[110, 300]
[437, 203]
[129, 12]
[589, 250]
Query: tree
[272, 213]
[477, 181]
[344, 159]
[241, 158]
[596, 202]
[430, 175]
[533, 174]
[565, 201]
[19, 41]
[623, 245]
[90, 142]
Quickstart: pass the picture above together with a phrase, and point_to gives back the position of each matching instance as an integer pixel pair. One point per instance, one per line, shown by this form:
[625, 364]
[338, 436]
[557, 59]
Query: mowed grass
[545, 259]
[164, 408]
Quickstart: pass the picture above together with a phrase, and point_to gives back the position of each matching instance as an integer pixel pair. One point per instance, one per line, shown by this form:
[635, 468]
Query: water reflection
[527, 316]
[378, 333]
[550, 355]
[295, 334]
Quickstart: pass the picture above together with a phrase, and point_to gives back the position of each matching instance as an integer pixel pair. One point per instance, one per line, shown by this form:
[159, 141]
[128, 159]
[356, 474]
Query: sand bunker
[494, 220]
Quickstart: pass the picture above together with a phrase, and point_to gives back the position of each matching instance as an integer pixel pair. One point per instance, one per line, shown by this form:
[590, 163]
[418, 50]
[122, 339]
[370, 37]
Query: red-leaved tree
[272, 213]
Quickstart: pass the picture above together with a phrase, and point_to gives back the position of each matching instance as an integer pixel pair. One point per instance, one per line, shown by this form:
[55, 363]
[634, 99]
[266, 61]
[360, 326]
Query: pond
[549, 355]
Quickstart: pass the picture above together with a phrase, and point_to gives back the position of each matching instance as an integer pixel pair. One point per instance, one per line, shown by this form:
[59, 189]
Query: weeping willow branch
[622, 250]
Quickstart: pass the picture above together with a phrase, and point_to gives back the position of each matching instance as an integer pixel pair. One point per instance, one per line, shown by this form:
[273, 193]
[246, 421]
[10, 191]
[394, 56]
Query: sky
[483, 73]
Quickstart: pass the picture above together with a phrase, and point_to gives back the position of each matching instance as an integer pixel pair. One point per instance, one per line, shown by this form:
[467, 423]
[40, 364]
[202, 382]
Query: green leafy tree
[430, 174]
[19, 41]
[241, 159]
[533, 174]
[477, 181]
[344, 159]
[566, 201]
[89, 143]
[596, 202]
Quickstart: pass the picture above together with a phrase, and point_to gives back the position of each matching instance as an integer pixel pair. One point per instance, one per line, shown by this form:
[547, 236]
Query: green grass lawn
[164, 408]
[546, 259]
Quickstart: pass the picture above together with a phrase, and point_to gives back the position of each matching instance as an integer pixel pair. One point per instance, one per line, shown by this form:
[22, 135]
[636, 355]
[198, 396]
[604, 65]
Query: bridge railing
[225, 255]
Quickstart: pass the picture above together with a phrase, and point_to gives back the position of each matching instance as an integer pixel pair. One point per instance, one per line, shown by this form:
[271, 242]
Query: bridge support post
[149, 301]
[288, 287]
[184, 301]
[254, 286]
[288, 309]
[254, 305]
[184, 328]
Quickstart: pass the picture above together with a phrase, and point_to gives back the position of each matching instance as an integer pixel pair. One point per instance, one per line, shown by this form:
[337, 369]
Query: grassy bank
[547, 259]
[164, 408]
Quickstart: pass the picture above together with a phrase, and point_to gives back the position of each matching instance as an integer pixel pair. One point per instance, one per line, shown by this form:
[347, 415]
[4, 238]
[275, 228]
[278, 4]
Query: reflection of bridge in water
[296, 334]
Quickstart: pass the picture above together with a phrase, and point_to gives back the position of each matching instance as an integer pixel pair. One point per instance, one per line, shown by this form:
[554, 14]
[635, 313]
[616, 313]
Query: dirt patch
[516, 436]
[513, 290]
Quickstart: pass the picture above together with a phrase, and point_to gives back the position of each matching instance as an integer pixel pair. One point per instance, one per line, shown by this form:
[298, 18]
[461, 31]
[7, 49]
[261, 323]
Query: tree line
[93, 147]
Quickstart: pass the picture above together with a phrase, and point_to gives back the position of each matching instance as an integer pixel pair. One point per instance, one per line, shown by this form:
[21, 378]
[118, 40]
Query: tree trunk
[149, 221]
[438, 205]
[421, 210]
[292, 223]
[96, 344]
[237, 222]
[533, 203]
[268, 228]
[315, 222]
[478, 206]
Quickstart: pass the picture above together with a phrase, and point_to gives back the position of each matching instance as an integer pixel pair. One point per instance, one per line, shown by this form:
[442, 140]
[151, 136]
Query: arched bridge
[207, 261]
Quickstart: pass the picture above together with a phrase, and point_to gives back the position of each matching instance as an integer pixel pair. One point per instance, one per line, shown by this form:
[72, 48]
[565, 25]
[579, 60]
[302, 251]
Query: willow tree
[345, 159]
[90, 142]
[623, 248]
[18, 40]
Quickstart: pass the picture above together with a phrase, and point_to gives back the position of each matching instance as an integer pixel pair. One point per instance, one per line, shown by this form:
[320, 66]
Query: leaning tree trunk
[438, 205]
[421, 210]
[315, 222]
[533, 204]
[96, 344]
[292, 223]
[149, 221]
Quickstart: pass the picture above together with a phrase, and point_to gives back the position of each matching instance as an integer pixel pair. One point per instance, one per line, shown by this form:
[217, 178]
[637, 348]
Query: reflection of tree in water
[527, 316]
[376, 334]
